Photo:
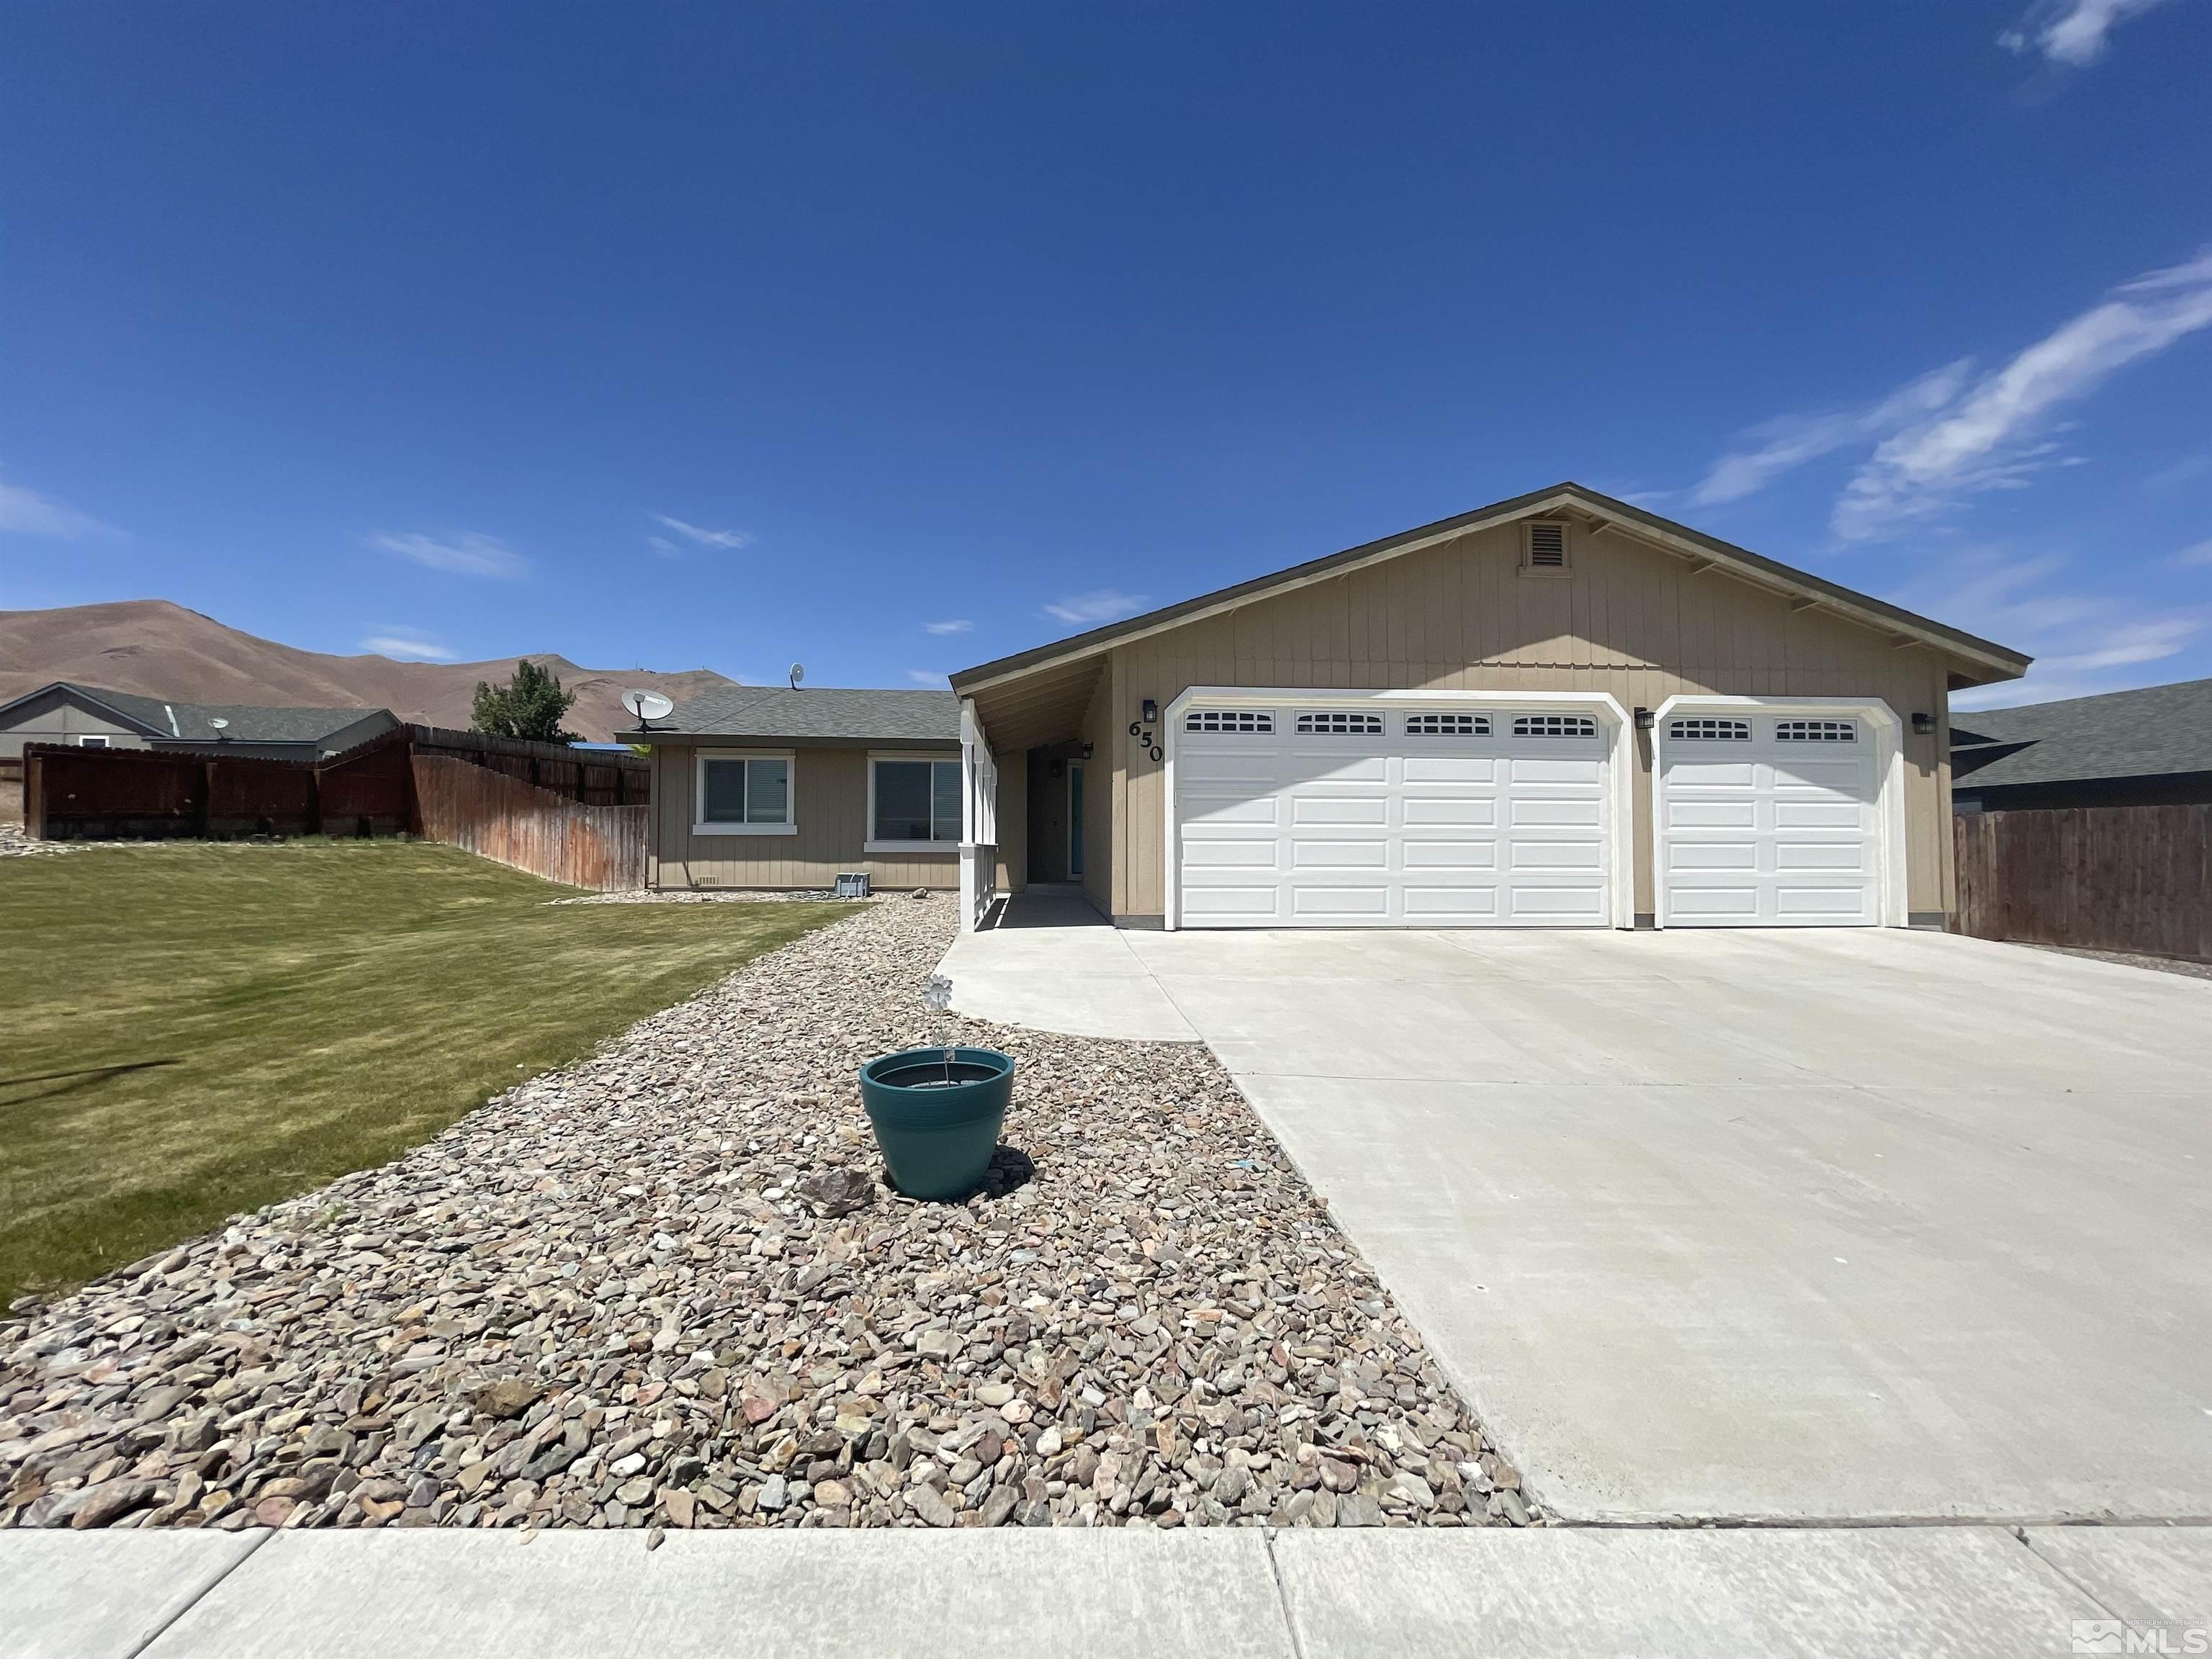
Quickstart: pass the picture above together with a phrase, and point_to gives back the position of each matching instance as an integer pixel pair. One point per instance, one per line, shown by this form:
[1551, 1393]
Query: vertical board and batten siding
[829, 810]
[2136, 879]
[1629, 619]
[525, 827]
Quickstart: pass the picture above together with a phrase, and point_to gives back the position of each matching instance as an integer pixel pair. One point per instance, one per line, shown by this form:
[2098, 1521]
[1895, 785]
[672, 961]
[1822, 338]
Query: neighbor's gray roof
[2159, 730]
[249, 722]
[824, 714]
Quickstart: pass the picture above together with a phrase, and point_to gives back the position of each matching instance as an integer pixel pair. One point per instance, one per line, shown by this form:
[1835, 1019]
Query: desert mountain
[163, 650]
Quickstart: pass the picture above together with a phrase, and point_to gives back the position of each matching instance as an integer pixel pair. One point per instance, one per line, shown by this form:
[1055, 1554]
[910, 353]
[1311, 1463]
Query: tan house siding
[831, 810]
[1629, 619]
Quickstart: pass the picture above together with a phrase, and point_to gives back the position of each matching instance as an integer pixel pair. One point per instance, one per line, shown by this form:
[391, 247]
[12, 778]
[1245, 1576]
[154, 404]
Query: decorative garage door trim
[1396, 710]
[1804, 717]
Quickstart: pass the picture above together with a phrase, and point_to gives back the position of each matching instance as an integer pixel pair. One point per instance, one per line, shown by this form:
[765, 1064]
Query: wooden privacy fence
[528, 827]
[153, 795]
[569, 817]
[2100, 877]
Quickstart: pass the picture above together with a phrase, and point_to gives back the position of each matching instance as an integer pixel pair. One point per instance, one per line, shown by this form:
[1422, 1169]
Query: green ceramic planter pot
[937, 1114]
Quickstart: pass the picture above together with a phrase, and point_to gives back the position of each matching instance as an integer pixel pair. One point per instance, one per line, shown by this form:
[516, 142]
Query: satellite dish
[647, 705]
[218, 722]
[798, 673]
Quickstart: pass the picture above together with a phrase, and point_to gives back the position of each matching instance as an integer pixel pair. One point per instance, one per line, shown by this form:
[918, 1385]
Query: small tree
[531, 705]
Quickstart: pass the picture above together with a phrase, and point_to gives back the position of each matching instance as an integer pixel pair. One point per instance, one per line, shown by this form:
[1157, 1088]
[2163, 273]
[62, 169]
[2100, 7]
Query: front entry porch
[1046, 959]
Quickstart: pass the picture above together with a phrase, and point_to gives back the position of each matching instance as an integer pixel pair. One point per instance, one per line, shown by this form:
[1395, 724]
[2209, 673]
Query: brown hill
[163, 650]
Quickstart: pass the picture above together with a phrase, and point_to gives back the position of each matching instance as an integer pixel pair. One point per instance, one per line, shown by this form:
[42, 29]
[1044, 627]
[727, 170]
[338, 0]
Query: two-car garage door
[1405, 816]
[1424, 815]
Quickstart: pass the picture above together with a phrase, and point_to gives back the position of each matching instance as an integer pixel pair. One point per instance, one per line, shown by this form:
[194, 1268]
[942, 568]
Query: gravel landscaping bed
[2131, 959]
[601, 1300]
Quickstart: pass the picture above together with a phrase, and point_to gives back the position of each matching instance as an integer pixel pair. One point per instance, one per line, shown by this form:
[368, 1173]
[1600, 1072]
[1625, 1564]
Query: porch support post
[979, 821]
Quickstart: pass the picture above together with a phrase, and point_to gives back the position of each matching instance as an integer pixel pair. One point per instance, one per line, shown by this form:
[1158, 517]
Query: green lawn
[190, 1031]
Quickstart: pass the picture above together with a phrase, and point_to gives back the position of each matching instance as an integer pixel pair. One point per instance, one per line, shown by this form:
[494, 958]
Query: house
[89, 717]
[1557, 710]
[765, 786]
[2146, 748]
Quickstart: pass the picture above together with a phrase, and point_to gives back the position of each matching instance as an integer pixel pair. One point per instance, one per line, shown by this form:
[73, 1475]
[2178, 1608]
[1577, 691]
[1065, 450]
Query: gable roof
[166, 718]
[1988, 661]
[835, 715]
[2153, 732]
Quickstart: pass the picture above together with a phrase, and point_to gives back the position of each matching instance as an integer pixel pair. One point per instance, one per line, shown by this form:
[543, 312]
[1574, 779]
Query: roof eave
[2000, 662]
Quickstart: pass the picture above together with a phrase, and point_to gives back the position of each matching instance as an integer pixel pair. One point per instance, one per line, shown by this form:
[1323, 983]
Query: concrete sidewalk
[1963, 1591]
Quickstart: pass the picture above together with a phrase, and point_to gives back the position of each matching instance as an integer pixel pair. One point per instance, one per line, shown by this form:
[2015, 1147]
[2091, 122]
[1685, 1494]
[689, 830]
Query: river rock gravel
[605, 1299]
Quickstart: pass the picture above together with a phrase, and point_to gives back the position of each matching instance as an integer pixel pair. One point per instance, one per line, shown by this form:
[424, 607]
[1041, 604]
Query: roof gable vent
[1546, 547]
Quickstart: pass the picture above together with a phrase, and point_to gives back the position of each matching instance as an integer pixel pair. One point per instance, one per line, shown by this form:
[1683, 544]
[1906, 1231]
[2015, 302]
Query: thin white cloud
[2195, 553]
[1102, 604]
[926, 677]
[464, 553]
[1780, 446]
[406, 648]
[2084, 641]
[955, 625]
[27, 512]
[2152, 640]
[723, 538]
[662, 545]
[2073, 32]
[1989, 438]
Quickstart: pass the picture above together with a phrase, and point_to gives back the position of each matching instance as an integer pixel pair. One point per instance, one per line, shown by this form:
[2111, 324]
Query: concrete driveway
[1786, 1225]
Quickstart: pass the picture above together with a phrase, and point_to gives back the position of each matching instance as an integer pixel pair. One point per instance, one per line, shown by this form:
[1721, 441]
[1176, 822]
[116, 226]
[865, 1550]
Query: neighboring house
[2146, 748]
[91, 718]
[1557, 710]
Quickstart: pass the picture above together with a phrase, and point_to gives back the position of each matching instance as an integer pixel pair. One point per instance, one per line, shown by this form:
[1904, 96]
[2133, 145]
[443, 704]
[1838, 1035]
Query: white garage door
[1428, 818]
[1770, 822]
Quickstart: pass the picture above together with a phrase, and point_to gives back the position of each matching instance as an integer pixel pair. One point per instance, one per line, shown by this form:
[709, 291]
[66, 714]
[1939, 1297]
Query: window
[744, 795]
[913, 803]
[93, 740]
[1228, 719]
[1817, 731]
[1545, 551]
[1554, 726]
[1711, 731]
[1447, 725]
[1340, 723]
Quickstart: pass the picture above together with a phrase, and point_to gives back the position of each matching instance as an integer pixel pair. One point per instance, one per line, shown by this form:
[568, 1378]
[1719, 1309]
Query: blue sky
[893, 338]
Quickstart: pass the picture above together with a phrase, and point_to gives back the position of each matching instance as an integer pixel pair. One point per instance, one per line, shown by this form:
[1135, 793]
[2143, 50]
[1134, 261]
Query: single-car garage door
[1769, 821]
[1425, 817]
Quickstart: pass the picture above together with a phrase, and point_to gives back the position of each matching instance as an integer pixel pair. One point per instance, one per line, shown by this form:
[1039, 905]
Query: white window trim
[1892, 882]
[94, 740]
[872, 845]
[790, 824]
[1614, 731]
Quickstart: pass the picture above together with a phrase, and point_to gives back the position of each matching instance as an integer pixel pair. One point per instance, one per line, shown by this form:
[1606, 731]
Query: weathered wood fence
[2100, 877]
[529, 827]
[569, 815]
